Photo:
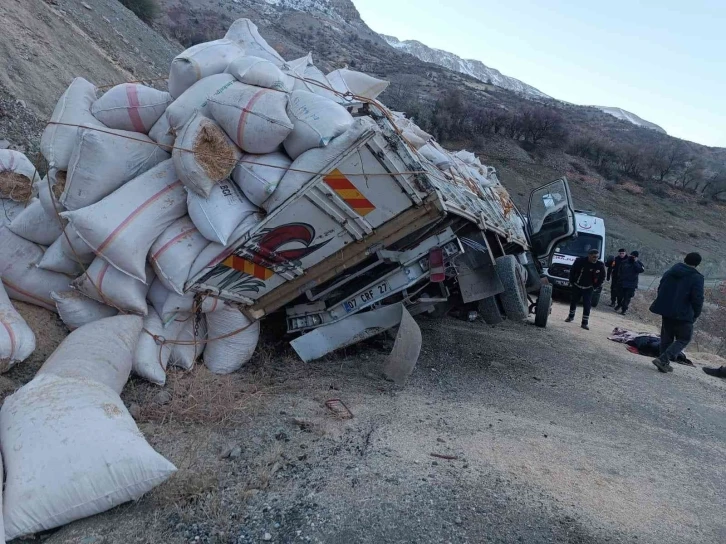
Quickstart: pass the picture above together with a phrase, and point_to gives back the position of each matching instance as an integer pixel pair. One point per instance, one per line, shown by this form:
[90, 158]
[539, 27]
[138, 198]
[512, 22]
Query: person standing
[679, 303]
[630, 270]
[613, 266]
[586, 275]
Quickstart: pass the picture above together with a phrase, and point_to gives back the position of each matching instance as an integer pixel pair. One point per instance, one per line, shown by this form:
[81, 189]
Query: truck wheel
[596, 298]
[514, 298]
[544, 301]
[490, 312]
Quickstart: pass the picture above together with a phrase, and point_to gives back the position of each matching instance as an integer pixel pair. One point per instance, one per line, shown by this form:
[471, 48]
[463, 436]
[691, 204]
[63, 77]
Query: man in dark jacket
[679, 303]
[613, 266]
[586, 275]
[630, 269]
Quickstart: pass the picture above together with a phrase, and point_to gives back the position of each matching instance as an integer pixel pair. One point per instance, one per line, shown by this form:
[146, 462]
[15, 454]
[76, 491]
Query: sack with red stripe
[218, 216]
[22, 279]
[103, 283]
[122, 227]
[75, 248]
[203, 155]
[72, 110]
[154, 347]
[186, 304]
[258, 175]
[194, 99]
[317, 120]
[253, 117]
[103, 161]
[17, 340]
[319, 159]
[174, 251]
[232, 340]
[76, 309]
[35, 225]
[131, 106]
[199, 61]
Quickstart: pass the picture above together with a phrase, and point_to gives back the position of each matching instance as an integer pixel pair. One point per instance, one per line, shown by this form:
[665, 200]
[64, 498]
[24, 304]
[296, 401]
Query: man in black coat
[679, 303]
[613, 266]
[630, 269]
[586, 275]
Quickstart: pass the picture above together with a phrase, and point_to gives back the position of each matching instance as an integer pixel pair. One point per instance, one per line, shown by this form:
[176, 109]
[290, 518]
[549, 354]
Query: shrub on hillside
[146, 10]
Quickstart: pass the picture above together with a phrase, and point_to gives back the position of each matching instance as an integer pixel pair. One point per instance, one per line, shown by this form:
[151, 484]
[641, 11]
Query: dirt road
[555, 435]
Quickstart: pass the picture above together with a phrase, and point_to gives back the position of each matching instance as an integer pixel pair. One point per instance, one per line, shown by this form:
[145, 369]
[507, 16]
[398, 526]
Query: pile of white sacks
[145, 188]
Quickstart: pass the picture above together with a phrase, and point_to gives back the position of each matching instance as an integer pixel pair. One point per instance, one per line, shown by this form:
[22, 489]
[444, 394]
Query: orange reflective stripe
[342, 186]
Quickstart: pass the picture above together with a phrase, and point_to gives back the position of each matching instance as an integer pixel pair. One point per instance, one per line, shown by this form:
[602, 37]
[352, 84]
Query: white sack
[73, 108]
[23, 280]
[258, 175]
[17, 340]
[316, 160]
[436, 156]
[317, 120]
[102, 282]
[245, 33]
[218, 216]
[74, 248]
[309, 78]
[204, 155]
[199, 61]
[35, 225]
[466, 156]
[195, 98]
[260, 73]
[71, 450]
[55, 260]
[357, 83]
[157, 296]
[76, 309]
[253, 117]
[122, 226]
[173, 253]
[49, 196]
[9, 209]
[185, 355]
[215, 253]
[162, 134]
[100, 352]
[17, 163]
[151, 358]
[225, 355]
[184, 304]
[131, 106]
[103, 161]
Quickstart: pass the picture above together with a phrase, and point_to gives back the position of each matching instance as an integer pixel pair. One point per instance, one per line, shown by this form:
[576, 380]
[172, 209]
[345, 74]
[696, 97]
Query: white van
[590, 235]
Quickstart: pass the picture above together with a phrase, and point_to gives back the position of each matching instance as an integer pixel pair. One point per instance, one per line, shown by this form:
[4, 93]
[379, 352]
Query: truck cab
[590, 235]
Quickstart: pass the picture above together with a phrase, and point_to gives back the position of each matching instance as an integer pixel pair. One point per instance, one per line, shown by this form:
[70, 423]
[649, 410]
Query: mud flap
[353, 329]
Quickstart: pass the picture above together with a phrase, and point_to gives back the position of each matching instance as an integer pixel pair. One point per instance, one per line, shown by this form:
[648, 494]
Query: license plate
[366, 297]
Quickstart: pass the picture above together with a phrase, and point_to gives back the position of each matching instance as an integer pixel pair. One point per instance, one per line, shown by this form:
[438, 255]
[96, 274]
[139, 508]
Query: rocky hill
[631, 118]
[470, 67]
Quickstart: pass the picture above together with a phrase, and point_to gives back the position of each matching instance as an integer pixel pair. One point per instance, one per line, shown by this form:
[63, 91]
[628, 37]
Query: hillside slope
[630, 117]
[47, 44]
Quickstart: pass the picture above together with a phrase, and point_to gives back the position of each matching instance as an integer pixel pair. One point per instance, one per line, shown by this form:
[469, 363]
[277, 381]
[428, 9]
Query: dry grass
[60, 184]
[15, 186]
[214, 152]
[632, 188]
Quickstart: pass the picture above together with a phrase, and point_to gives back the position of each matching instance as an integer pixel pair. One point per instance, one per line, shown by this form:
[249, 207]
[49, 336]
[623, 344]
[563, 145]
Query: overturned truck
[378, 232]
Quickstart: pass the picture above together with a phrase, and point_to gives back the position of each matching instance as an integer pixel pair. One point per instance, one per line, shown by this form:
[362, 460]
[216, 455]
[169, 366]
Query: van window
[580, 246]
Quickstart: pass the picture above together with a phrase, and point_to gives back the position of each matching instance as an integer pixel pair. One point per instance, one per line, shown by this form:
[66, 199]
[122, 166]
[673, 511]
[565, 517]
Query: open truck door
[551, 217]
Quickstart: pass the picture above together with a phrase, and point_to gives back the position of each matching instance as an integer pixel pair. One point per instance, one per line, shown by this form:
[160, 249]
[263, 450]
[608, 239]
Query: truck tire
[514, 298]
[596, 298]
[489, 310]
[542, 310]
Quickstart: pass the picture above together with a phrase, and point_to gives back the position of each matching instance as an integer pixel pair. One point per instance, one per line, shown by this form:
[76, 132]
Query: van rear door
[551, 217]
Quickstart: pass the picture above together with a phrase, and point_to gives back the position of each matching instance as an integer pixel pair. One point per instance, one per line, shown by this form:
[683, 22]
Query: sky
[663, 60]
